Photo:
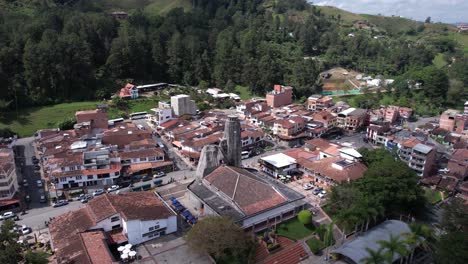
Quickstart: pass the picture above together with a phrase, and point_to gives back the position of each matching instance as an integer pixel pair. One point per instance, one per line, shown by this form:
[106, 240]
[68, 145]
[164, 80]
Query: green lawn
[432, 196]
[32, 119]
[243, 92]
[294, 229]
[164, 6]
[439, 61]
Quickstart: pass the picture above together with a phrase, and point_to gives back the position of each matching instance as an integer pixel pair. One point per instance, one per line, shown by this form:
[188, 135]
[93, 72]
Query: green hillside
[346, 17]
[149, 6]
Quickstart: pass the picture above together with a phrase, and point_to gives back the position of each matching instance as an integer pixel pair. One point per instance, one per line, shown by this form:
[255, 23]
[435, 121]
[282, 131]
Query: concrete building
[278, 164]
[318, 103]
[8, 177]
[351, 119]
[162, 114]
[376, 132]
[95, 118]
[182, 105]
[82, 169]
[130, 91]
[447, 119]
[418, 156]
[107, 221]
[280, 96]
[288, 127]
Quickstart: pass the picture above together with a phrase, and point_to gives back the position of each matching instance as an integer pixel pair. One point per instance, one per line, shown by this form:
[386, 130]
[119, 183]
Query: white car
[444, 170]
[7, 215]
[25, 230]
[113, 188]
[322, 194]
[39, 184]
[159, 174]
[307, 186]
[98, 192]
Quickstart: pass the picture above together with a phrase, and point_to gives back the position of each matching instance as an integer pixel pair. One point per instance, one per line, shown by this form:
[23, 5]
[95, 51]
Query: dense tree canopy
[74, 51]
[221, 238]
[388, 187]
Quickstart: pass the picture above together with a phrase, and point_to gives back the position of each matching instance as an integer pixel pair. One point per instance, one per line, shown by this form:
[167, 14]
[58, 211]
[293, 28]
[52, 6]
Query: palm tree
[420, 236]
[375, 257]
[394, 245]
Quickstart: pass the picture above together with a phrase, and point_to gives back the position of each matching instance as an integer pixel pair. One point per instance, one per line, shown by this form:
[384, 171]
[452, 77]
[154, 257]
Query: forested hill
[68, 50]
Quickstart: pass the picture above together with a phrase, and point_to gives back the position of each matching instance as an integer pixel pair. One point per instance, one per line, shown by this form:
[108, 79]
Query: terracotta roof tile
[247, 192]
[96, 247]
[325, 167]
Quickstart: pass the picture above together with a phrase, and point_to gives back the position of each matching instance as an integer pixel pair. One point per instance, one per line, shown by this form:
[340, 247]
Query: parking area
[310, 198]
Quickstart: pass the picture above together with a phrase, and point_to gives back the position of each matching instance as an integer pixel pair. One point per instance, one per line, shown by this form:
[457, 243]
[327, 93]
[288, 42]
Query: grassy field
[294, 229]
[163, 6]
[32, 119]
[346, 17]
[432, 196]
[243, 92]
[439, 61]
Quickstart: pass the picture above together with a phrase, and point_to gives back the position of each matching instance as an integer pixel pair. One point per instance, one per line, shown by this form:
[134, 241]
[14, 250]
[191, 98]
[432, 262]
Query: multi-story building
[95, 118]
[419, 157]
[376, 132]
[182, 105]
[288, 127]
[162, 114]
[351, 119]
[447, 119]
[81, 169]
[86, 235]
[280, 96]
[458, 164]
[8, 177]
[130, 91]
[319, 103]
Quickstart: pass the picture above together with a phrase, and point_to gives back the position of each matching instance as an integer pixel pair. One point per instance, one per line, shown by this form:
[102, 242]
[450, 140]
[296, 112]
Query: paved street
[355, 140]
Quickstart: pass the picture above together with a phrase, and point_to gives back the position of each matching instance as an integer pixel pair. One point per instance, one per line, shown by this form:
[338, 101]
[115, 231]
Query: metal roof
[422, 148]
[279, 160]
[355, 249]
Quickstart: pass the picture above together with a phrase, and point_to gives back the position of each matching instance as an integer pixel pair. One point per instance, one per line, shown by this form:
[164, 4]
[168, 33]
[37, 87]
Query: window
[151, 229]
[115, 218]
[78, 177]
[152, 158]
[90, 177]
[115, 227]
[117, 173]
[143, 159]
[63, 179]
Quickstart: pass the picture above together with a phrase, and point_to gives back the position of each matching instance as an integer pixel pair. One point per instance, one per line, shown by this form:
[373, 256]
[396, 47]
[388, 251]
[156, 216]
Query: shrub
[305, 217]
[315, 245]
[272, 246]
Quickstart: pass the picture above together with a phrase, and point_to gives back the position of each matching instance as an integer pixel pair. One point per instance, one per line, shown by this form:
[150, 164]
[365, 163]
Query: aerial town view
[233, 132]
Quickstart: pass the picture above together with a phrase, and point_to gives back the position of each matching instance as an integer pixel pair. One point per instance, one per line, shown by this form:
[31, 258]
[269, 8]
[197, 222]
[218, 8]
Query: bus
[138, 115]
[245, 154]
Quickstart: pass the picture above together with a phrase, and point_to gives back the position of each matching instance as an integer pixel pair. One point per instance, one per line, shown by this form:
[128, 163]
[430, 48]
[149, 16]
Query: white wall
[136, 228]
[106, 224]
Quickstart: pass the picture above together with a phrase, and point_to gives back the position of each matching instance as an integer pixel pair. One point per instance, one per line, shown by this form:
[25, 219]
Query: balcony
[416, 167]
[418, 161]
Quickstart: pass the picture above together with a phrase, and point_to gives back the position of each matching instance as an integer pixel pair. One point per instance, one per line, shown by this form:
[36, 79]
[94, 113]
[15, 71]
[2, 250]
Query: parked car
[37, 167]
[146, 178]
[85, 198]
[444, 170]
[159, 174]
[25, 230]
[136, 178]
[39, 184]
[322, 194]
[8, 215]
[27, 198]
[60, 203]
[317, 190]
[42, 198]
[307, 186]
[98, 192]
[25, 183]
[124, 184]
[113, 188]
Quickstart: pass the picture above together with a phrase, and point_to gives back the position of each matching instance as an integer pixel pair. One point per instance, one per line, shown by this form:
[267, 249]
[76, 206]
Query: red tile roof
[96, 247]
[148, 165]
[141, 153]
[301, 153]
[249, 193]
[411, 142]
[325, 167]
